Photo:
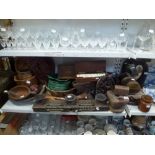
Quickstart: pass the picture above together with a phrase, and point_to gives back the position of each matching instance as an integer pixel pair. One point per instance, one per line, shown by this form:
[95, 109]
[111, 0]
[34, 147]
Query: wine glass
[54, 38]
[80, 131]
[75, 40]
[65, 38]
[9, 43]
[38, 42]
[30, 42]
[13, 34]
[111, 44]
[18, 42]
[94, 41]
[56, 41]
[103, 42]
[145, 36]
[3, 43]
[84, 38]
[46, 42]
[122, 41]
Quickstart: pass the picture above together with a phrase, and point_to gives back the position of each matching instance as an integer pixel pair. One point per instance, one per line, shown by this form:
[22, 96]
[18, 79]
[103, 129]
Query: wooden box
[66, 71]
[90, 67]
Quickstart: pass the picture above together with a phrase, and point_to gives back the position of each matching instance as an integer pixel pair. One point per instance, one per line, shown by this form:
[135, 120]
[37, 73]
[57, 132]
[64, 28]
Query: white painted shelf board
[133, 110]
[11, 107]
[137, 53]
[80, 52]
[67, 52]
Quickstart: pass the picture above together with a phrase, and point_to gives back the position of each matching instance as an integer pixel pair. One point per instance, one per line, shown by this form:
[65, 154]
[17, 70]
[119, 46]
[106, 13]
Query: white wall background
[107, 26]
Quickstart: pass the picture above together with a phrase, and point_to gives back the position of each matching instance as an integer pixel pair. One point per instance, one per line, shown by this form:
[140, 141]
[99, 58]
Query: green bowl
[58, 85]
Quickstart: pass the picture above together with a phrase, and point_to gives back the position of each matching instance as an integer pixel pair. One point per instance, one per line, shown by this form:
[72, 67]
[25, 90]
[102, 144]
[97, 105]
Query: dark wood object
[66, 71]
[90, 67]
[121, 90]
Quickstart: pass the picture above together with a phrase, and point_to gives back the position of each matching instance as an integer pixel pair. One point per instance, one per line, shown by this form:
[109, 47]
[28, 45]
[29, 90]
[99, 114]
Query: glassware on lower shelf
[80, 131]
[80, 124]
[40, 124]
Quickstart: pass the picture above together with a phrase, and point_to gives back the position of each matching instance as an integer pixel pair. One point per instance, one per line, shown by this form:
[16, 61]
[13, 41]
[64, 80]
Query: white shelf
[10, 107]
[133, 110]
[137, 53]
[79, 52]
[68, 52]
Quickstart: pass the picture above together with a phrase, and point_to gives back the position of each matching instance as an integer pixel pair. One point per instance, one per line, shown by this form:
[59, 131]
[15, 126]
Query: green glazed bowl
[58, 85]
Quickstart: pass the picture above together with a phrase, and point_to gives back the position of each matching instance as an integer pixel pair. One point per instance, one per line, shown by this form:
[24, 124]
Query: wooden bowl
[19, 92]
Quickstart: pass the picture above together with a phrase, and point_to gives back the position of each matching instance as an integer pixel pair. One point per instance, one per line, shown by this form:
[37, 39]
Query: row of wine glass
[22, 38]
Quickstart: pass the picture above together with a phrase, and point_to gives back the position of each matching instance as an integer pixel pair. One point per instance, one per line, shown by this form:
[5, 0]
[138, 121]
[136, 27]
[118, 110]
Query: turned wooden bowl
[19, 92]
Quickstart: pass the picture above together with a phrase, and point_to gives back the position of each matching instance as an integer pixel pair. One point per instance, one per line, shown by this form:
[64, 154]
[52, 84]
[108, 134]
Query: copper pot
[145, 103]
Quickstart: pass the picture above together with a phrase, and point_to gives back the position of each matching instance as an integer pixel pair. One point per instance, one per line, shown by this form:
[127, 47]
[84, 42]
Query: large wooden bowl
[19, 92]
